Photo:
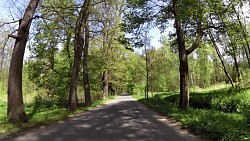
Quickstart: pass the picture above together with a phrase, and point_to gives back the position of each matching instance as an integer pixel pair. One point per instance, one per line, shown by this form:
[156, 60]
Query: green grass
[219, 114]
[39, 115]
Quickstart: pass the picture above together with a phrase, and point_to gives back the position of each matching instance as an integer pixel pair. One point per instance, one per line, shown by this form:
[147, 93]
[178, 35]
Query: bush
[42, 102]
[215, 124]
[230, 100]
[201, 101]
[232, 103]
[175, 98]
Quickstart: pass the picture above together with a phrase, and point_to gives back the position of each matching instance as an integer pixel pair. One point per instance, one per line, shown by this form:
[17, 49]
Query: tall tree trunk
[79, 41]
[244, 32]
[234, 55]
[183, 58]
[220, 57]
[216, 70]
[246, 52]
[147, 73]
[2, 57]
[16, 111]
[67, 48]
[236, 65]
[183, 55]
[105, 84]
[105, 50]
[86, 84]
[184, 93]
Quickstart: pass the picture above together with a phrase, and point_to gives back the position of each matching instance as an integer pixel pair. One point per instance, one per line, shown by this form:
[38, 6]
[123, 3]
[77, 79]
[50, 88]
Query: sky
[17, 5]
[3, 9]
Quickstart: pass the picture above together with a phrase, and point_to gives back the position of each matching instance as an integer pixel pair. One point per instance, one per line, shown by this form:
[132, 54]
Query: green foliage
[56, 87]
[227, 100]
[163, 69]
[135, 77]
[236, 102]
[228, 122]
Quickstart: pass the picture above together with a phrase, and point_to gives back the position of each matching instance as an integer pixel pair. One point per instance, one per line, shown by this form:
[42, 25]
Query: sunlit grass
[218, 86]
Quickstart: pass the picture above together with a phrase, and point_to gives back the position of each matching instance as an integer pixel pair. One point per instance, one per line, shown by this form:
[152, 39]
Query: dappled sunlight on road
[122, 119]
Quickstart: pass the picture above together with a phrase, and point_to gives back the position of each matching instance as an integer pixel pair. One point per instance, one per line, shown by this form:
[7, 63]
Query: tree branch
[5, 23]
[14, 36]
[197, 39]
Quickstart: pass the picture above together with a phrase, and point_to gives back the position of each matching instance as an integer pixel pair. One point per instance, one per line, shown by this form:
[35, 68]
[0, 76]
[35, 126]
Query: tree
[16, 111]
[147, 67]
[5, 55]
[221, 59]
[50, 61]
[183, 52]
[190, 23]
[85, 67]
[107, 19]
[79, 42]
[185, 19]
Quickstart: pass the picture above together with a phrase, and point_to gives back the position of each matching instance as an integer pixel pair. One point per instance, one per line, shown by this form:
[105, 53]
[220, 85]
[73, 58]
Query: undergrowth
[221, 115]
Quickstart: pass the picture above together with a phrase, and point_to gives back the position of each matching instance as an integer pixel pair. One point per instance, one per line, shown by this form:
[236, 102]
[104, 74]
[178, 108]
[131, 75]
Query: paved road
[121, 119]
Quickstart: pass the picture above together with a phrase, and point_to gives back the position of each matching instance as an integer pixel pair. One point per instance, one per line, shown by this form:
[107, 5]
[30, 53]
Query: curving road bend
[121, 119]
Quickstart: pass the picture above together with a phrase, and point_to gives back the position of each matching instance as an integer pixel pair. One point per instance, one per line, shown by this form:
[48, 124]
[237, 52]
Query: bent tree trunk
[85, 68]
[79, 41]
[245, 36]
[220, 57]
[16, 111]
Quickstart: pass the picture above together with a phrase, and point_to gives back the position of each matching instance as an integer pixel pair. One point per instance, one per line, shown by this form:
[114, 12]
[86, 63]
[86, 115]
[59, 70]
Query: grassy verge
[221, 115]
[39, 115]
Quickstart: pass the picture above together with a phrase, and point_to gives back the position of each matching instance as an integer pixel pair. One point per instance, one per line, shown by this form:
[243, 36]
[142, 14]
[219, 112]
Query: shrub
[42, 102]
[201, 101]
[232, 103]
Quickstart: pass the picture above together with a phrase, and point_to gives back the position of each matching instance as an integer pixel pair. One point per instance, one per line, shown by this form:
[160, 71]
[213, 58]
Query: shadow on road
[122, 119]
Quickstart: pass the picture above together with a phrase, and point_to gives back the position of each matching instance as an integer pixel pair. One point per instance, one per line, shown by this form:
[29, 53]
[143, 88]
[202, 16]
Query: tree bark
[67, 48]
[2, 57]
[79, 42]
[236, 65]
[246, 52]
[86, 84]
[105, 84]
[105, 50]
[16, 111]
[147, 73]
[216, 70]
[220, 57]
[184, 94]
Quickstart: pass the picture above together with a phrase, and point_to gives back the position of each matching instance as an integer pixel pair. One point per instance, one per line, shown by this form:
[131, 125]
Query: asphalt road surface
[121, 119]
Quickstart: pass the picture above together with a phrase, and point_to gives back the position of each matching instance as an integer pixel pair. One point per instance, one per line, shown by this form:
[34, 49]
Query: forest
[58, 57]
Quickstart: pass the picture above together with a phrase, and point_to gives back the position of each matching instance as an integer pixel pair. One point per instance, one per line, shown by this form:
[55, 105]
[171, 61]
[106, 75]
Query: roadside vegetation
[221, 114]
[81, 52]
[40, 112]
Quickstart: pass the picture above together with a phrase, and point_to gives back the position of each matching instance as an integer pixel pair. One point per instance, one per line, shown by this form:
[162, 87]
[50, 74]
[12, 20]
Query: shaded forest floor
[221, 114]
[39, 114]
